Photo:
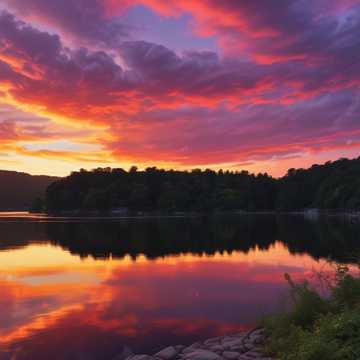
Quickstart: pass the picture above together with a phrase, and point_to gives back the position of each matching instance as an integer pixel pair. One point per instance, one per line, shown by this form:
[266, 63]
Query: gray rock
[201, 354]
[245, 357]
[254, 354]
[248, 344]
[140, 357]
[167, 353]
[228, 338]
[228, 343]
[257, 348]
[256, 338]
[230, 355]
[212, 341]
[241, 346]
[216, 348]
[260, 331]
[238, 348]
[179, 347]
[192, 347]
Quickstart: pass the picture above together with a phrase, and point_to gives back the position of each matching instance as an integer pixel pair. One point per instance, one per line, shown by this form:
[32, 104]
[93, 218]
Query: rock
[245, 357]
[257, 348]
[216, 348]
[167, 353]
[228, 338]
[230, 355]
[248, 344]
[260, 331]
[179, 347]
[256, 338]
[212, 341]
[140, 357]
[192, 347]
[239, 348]
[228, 343]
[201, 354]
[253, 354]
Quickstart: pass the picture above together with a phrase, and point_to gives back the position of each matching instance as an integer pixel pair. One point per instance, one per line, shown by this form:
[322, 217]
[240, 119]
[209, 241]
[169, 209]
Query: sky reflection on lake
[57, 303]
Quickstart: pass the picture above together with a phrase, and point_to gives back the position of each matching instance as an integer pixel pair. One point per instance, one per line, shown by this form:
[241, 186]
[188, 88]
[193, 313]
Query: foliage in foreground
[318, 328]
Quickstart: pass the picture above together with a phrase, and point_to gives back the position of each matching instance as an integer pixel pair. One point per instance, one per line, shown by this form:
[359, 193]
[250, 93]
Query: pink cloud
[285, 84]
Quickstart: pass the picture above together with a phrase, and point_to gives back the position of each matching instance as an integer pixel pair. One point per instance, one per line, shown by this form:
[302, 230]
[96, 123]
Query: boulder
[167, 353]
[201, 354]
[216, 348]
[230, 355]
[192, 347]
[179, 347]
[140, 357]
[254, 354]
[212, 341]
[228, 343]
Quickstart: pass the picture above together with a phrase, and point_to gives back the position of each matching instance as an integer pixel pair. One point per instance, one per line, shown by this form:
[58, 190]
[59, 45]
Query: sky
[261, 85]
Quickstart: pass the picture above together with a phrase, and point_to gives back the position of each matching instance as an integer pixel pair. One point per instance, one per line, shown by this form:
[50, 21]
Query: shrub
[346, 292]
[317, 328]
[306, 304]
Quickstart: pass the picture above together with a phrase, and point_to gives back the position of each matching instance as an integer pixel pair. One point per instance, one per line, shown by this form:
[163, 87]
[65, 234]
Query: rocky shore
[241, 346]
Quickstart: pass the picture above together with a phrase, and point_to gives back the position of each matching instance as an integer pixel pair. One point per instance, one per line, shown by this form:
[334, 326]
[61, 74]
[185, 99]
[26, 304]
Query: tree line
[334, 185]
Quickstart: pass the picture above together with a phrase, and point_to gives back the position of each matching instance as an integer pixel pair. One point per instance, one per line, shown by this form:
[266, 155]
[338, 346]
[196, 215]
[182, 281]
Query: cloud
[200, 136]
[7, 131]
[19, 126]
[85, 22]
[275, 30]
[77, 156]
[285, 83]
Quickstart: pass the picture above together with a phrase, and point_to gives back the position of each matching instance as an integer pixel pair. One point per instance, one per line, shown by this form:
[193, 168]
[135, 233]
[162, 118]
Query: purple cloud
[83, 20]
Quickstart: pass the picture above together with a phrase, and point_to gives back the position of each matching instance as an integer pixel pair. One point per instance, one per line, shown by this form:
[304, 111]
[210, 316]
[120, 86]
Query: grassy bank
[317, 327]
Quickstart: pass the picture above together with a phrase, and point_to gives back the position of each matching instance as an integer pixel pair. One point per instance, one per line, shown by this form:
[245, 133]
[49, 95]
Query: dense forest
[19, 191]
[334, 185]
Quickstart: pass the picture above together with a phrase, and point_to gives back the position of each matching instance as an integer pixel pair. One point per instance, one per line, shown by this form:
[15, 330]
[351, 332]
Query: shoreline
[248, 345]
[310, 214]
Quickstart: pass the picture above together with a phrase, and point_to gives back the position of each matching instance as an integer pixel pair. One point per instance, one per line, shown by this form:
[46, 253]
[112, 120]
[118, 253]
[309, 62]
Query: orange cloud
[274, 94]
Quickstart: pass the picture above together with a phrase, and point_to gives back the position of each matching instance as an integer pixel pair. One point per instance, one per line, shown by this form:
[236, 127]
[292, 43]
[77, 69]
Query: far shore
[311, 214]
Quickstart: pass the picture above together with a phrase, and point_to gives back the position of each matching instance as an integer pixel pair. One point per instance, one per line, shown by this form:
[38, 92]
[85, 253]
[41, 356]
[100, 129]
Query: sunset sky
[261, 85]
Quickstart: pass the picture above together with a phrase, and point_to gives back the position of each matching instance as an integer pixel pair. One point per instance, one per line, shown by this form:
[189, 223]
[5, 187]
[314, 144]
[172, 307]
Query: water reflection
[72, 290]
[333, 238]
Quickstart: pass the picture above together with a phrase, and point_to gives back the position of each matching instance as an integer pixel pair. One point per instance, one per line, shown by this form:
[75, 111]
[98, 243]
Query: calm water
[77, 289]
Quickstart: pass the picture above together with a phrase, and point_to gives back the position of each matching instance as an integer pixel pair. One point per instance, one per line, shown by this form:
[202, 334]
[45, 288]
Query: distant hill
[18, 190]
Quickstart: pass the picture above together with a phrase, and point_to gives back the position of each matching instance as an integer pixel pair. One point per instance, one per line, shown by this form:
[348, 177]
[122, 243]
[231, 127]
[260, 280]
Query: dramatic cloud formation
[283, 88]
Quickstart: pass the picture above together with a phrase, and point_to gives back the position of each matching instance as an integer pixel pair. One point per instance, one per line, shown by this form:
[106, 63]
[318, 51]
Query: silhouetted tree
[334, 185]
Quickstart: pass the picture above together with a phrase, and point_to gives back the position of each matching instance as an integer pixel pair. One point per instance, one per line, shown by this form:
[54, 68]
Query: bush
[317, 328]
[346, 292]
[306, 305]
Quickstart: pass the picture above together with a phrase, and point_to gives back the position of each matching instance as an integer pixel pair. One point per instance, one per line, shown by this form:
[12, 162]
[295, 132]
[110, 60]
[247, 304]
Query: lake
[84, 288]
